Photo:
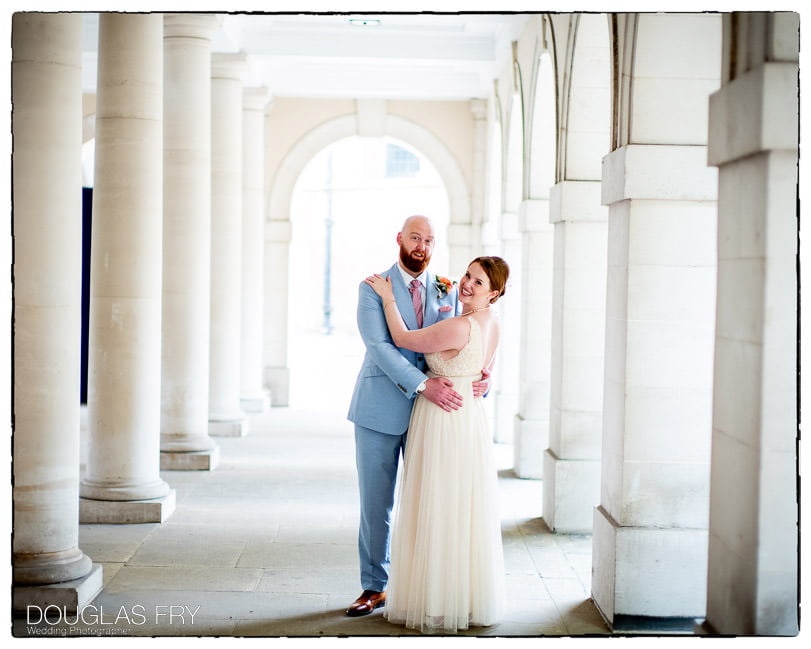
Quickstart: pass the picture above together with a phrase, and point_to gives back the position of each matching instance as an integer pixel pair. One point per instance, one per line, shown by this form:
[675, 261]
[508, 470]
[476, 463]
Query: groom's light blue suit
[380, 409]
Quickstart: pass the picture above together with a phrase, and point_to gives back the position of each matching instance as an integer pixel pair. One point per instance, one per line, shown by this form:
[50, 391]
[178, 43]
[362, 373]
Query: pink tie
[416, 300]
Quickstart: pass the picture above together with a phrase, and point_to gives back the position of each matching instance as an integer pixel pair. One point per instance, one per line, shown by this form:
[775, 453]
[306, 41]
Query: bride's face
[474, 287]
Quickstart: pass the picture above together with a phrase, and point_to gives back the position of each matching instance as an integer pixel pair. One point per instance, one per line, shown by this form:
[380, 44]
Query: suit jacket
[384, 390]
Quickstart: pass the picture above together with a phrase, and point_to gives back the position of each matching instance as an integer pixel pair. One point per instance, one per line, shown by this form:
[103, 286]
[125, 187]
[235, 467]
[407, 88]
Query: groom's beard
[414, 264]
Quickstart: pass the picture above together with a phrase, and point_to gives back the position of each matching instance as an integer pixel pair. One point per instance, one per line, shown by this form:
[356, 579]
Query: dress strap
[471, 319]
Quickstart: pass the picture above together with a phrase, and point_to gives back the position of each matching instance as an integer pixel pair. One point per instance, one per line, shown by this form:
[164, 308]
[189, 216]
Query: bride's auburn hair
[497, 271]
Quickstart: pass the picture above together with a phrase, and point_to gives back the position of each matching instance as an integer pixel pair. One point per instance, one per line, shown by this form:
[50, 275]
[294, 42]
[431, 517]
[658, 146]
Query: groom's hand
[480, 388]
[439, 390]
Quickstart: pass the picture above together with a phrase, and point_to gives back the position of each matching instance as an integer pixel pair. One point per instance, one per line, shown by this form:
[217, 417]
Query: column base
[104, 490]
[50, 567]
[640, 625]
[640, 572]
[530, 441]
[190, 460]
[69, 596]
[277, 382]
[228, 428]
[257, 403]
[571, 491]
[156, 510]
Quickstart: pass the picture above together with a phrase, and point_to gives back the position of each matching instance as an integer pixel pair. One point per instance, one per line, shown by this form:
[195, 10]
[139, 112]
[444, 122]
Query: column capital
[190, 25]
[756, 112]
[256, 98]
[658, 172]
[228, 65]
[533, 215]
[510, 229]
[479, 108]
[460, 234]
[576, 200]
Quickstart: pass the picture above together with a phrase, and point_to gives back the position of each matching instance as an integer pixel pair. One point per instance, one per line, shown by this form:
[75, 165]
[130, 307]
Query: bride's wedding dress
[447, 567]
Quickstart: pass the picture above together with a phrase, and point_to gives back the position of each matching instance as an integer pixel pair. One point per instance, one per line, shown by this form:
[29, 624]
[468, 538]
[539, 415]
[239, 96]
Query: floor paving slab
[172, 578]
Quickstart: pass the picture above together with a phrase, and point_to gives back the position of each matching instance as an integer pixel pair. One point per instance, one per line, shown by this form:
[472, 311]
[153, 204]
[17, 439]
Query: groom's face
[416, 246]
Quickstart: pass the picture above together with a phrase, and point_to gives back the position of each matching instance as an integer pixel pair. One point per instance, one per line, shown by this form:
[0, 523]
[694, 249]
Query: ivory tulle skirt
[447, 566]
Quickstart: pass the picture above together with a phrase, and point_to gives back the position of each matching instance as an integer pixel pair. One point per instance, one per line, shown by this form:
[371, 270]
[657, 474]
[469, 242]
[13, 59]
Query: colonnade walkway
[265, 545]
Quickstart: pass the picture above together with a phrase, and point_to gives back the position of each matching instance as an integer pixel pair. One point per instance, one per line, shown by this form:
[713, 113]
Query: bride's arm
[452, 333]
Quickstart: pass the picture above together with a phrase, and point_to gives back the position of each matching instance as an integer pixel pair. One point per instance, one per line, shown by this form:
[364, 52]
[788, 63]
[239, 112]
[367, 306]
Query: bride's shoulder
[487, 320]
[484, 317]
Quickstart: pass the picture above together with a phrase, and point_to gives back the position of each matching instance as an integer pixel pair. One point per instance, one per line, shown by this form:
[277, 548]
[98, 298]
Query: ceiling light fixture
[364, 22]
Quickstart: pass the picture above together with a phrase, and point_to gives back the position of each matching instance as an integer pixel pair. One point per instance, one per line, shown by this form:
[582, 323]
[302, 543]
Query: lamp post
[326, 328]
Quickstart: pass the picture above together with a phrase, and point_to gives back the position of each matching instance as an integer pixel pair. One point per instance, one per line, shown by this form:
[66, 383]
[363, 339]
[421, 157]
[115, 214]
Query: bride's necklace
[478, 308]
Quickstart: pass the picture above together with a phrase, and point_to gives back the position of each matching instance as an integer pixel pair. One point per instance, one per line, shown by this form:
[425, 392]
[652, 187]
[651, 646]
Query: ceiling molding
[403, 56]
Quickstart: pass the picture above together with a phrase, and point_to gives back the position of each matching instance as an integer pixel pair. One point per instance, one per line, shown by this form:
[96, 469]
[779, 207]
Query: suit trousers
[377, 456]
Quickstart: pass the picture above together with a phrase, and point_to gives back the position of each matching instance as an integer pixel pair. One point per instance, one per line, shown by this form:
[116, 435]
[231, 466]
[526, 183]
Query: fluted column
[253, 397]
[225, 415]
[185, 443]
[532, 421]
[572, 460]
[47, 217]
[277, 271]
[125, 280]
[753, 544]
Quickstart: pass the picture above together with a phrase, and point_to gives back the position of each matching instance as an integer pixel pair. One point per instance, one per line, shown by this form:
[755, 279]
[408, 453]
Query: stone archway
[370, 120]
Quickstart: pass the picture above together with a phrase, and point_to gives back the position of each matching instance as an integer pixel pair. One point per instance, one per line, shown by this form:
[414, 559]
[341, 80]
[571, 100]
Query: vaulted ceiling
[389, 55]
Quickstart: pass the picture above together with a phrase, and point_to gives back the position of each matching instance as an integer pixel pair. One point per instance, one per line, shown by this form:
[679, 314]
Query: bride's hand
[380, 286]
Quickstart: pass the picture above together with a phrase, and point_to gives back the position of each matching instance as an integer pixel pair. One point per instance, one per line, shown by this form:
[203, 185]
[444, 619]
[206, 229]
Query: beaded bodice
[468, 362]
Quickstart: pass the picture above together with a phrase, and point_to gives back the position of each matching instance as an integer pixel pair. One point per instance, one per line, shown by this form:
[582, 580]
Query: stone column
[532, 421]
[48, 566]
[507, 372]
[277, 271]
[122, 483]
[225, 416]
[649, 544]
[650, 530]
[478, 193]
[185, 443]
[572, 461]
[460, 247]
[753, 544]
[253, 397]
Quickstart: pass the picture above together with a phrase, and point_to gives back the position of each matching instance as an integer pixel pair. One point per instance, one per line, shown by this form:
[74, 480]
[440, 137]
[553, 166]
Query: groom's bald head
[417, 221]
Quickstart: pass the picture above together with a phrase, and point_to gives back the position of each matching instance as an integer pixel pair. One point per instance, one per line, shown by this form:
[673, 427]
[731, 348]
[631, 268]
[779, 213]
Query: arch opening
[346, 207]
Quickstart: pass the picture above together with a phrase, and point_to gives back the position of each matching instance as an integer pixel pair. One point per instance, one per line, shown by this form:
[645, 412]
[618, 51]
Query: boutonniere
[443, 285]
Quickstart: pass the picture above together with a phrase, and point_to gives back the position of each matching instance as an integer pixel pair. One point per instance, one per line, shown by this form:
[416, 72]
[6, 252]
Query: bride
[447, 568]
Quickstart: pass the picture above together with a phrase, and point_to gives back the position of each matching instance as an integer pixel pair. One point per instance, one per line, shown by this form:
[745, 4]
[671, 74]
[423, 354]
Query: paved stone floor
[265, 545]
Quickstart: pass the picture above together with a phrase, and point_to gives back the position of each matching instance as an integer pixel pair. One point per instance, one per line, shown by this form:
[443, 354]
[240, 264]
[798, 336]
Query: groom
[387, 384]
